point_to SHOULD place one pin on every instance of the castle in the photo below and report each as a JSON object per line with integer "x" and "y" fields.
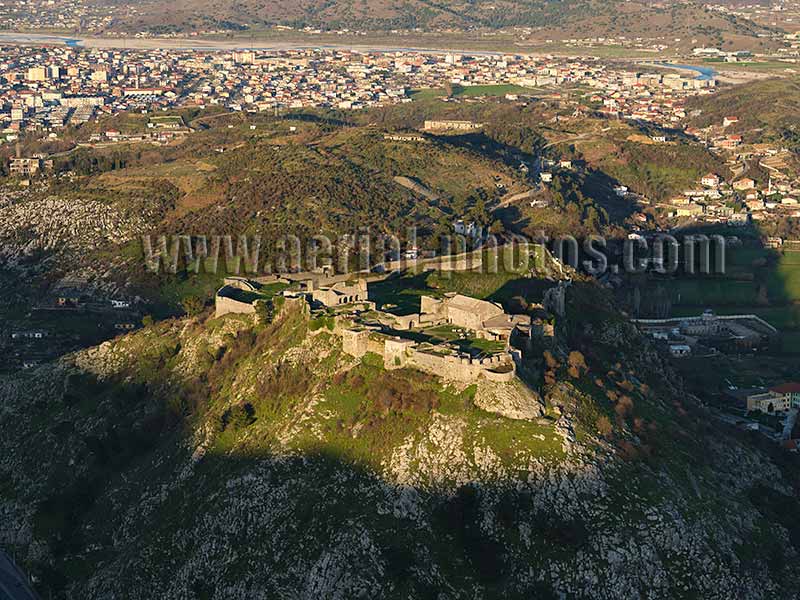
{"x": 400, "y": 339}
{"x": 398, "y": 352}
{"x": 452, "y": 335}
{"x": 336, "y": 294}
{"x": 385, "y": 334}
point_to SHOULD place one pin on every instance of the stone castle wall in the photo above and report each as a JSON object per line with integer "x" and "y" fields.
{"x": 224, "y": 305}
{"x": 398, "y": 353}
{"x": 462, "y": 368}
{"x": 240, "y": 283}
{"x": 355, "y": 342}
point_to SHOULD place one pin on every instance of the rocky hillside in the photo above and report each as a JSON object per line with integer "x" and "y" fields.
{"x": 235, "y": 458}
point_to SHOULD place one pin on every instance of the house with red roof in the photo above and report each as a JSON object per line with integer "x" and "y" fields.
{"x": 710, "y": 180}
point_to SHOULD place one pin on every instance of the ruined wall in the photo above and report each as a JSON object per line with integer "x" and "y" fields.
{"x": 240, "y": 283}
{"x": 443, "y": 365}
{"x": 503, "y": 377}
{"x": 398, "y": 353}
{"x": 298, "y": 304}
{"x": 431, "y": 306}
{"x": 355, "y": 343}
{"x": 224, "y": 305}
{"x": 464, "y": 318}
{"x": 461, "y": 368}
{"x": 376, "y": 346}
{"x": 406, "y": 321}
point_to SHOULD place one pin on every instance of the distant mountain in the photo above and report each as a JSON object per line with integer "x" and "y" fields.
{"x": 569, "y": 18}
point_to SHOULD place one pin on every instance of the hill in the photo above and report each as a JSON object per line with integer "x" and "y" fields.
{"x": 305, "y": 173}
{"x": 232, "y": 457}
{"x": 766, "y": 109}
{"x": 552, "y": 20}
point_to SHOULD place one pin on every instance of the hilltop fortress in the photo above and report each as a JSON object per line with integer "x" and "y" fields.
{"x": 452, "y": 335}
{"x": 383, "y": 333}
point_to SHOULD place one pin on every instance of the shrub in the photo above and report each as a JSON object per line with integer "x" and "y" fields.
{"x": 626, "y": 385}
{"x": 604, "y": 426}
{"x": 623, "y": 407}
{"x": 322, "y": 321}
{"x": 393, "y": 393}
{"x": 265, "y": 311}
{"x": 550, "y": 360}
{"x": 192, "y": 305}
{"x": 628, "y": 451}
{"x": 238, "y": 417}
{"x": 285, "y": 380}
{"x": 577, "y": 364}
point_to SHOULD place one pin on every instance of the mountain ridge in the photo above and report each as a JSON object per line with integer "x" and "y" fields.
{"x": 542, "y": 19}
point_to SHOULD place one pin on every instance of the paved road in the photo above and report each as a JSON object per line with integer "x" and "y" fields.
{"x": 13, "y": 582}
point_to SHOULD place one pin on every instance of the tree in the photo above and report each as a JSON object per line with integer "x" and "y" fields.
{"x": 604, "y": 426}
{"x": 147, "y": 321}
{"x": 192, "y": 305}
{"x": 577, "y": 364}
{"x": 497, "y": 227}
{"x": 550, "y": 360}
{"x": 238, "y": 417}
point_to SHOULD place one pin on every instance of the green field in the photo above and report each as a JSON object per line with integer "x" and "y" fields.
{"x": 747, "y": 270}
{"x": 712, "y": 292}
{"x": 399, "y": 295}
{"x": 168, "y": 119}
{"x": 502, "y": 286}
{"x": 786, "y": 278}
{"x": 765, "y": 65}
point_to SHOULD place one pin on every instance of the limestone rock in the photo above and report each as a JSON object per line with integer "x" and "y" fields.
{"x": 513, "y": 400}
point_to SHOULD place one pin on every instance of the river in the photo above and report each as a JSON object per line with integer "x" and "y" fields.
{"x": 705, "y": 73}
{"x": 204, "y": 44}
